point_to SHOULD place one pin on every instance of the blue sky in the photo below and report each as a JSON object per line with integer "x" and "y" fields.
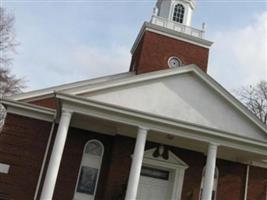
{"x": 66, "y": 41}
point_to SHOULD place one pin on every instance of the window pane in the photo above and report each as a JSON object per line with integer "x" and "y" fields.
{"x": 87, "y": 180}
{"x": 155, "y": 173}
{"x": 178, "y": 14}
{"x": 93, "y": 148}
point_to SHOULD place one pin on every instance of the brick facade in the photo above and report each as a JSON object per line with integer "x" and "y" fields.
{"x": 117, "y": 162}
{"x": 72, "y": 156}
{"x": 46, "y": 102}
{"x": 154, "y": 50}
{"x": 22, "y": 145}
{"x": 257, "y": 189}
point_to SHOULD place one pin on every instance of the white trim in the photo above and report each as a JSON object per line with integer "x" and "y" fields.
{"x": 135, "y": 79}
{"x": 49, "y": 92}
{"x": 171, "y": 72}
{"x": 162, "y": 124}
{"x": 99, "y": 169}
{"x": 169, "y": 33}
{"x": 258, "y": 164}
{"x": 29, "y": 110}
{"x": 180, "y": 63}
{"x": 176, "y": 165}
{"x": 177, "y": 71}
{"x": 4, "y": 168}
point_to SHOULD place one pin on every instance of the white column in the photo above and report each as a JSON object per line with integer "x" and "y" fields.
{"x": 246, "y": 184}
{"x": 136, "y": 164}
{"x": 55, "y": 159}
{"x": 209, "y": 172}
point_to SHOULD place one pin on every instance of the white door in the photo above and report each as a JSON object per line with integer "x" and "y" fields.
{"x": 154, "y": 184}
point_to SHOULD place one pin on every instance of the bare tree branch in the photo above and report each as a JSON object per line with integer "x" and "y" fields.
{"x": 9, "y": 84}
{"x": 255, "y": 99}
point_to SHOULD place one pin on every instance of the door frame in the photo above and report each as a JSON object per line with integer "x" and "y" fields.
{"x": 173, "y": 164}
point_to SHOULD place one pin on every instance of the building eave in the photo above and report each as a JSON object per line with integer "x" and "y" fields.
{"x": 132, "y": 79}
{"x": 49, "y": 92}
{"x": 29, "y": 110}
{"x": 166, "y": 125}
{"x": 172, "y": 72}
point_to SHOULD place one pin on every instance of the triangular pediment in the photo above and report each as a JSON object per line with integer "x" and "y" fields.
{"x": 185, "y": 97}
{"x": 172, "y": 158}
{"x": 185, "y": 94}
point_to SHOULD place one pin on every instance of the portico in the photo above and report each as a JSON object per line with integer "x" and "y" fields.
{"x": 145, "y": 127}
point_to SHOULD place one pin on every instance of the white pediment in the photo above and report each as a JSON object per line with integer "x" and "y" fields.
{"x": 185, "y": 97}
{"x": 172, "y": 158}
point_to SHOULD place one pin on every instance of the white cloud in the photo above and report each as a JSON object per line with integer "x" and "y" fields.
{"x": 99, "y": 61}
{"x": 76, "y": 63}
{"x": 239, "y": 57}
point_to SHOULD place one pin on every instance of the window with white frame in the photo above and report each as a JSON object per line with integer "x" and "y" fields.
{"x": 178, "y": 14}
{"x": 215, "y": 183}
{"x": 89, "y": 171}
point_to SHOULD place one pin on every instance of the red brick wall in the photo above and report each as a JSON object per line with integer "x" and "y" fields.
{"x": 232, "y": 177}
{"x": 47, "y": 102}
{"x": 257, "y": 184}
{"x": 120, "y": 164}
{"x": 71, "y": 160}
{"x": 115, "y": 171}
{"x": 22, "y": 146}
{"x": 154, "y": 50}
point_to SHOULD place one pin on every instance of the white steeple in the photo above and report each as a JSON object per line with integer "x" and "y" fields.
{"x": 175, "y": 10}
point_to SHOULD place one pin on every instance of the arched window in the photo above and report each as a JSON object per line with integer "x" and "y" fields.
{"x": 214, "y": 190}
{"x": 178, "y": 14}
{"x": 89, "y": 170}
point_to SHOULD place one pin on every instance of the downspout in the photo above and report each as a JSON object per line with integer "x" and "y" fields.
{"x": 45, "y": 158}
{"x": 246, "y": 184}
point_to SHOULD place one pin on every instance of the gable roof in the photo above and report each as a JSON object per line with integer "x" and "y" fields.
{"x": 161, "y": 124}
{"x": 109, "y": 82}
{"x": 46, "y": 92}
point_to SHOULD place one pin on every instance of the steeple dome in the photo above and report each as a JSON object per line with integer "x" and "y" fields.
{"x": 176, "y": 10}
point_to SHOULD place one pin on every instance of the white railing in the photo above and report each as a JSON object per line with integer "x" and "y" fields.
{"x": 177, "y": 26}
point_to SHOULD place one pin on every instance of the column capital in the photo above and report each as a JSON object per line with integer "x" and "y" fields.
{"x": 214, "y": 144}
{"x": 66, "y": 111}
{"x": 142, "y": 129}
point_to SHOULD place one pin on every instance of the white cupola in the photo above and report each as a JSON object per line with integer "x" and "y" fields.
{"x": 179, "y": 11}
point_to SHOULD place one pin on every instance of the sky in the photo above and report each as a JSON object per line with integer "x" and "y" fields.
{"x": 67, "y": 41}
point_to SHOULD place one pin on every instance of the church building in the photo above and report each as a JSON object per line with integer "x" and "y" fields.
{"x": 165, "y": 130}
